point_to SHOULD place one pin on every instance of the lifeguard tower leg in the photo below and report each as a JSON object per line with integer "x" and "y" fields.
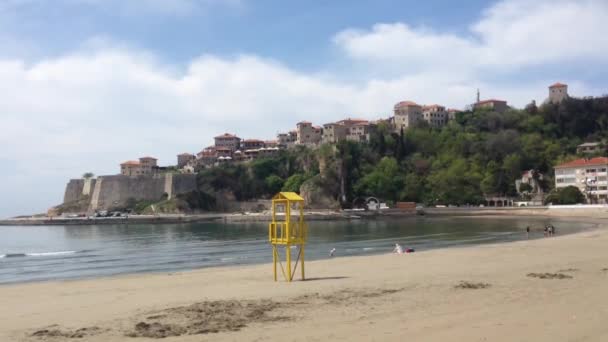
{"x": 302, "y": 260}
{"x": 274, "y": 261}
{"x": 288, "y": 255}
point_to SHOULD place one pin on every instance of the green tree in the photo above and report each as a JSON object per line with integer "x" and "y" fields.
{"x": 274, "y": 184}
{"x": 88, "y": 175}
{"x": 567, "y": 195}
{"x": 525, "y": 187}
{"x": 294, "y": 182}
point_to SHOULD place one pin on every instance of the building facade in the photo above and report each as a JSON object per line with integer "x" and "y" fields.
{"x": 498, "y": 106}
{"x": 287, "y": 140}
{"x": 591, "y": 148}
{"x": 407, "y": 114}
{"x": 558, "y": 92}
{"x": 184, "y": 158}
{"x": 588, "y": 175}
{"x": 249, "y": 144}
{"x": 307, "y": 134}
{"x": 435, "y": 115}
{"x": 227, "y": 140}
{"x": 145, "y": 166}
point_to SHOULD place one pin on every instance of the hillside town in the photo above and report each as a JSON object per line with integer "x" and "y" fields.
{"x": 589, "y": 175}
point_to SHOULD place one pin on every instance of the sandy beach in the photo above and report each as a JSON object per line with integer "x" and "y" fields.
{"x": 551, "y": 289}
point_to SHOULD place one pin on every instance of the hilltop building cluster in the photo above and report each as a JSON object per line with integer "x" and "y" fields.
{"x": 230, "y": 148}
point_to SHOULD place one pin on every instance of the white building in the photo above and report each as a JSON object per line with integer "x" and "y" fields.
{"x": 589, "y": 175}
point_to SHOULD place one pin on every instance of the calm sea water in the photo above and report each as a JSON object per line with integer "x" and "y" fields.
{"x": 67, "y": 252}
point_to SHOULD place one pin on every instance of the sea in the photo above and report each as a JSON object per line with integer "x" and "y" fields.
{"x": 47, "y": 253}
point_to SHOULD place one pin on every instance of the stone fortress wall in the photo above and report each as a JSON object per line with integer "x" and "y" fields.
{"x": 106, "y": 192}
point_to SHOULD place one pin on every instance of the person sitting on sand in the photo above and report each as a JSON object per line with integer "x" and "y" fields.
{"x": 398, "y": 249}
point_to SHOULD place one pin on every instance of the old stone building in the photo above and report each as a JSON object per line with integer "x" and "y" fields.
{"x": 184, "y": 158}
{"x": 145, "y": 166}
{"x": 407, "y": 114}
{"x": 435, "y": 115}
{"x": 227, "y": 140}
{"x": 307, "y": 134}
{"x": 558, "y": 92}
{"x": 498, "y": 106}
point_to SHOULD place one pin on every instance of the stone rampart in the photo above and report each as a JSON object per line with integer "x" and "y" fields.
{"x": 112, "y": 191}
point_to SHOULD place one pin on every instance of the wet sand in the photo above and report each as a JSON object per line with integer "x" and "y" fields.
{"x": 551, "y": 289}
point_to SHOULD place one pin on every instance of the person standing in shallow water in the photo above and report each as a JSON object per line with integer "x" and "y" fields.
{"x": 527, "y": 231}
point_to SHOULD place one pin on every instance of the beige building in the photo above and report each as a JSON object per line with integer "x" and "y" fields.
{"x": 227, "y": 140}
{"x": 307, "y": 134}
{"x": 589, "y": 175}
{"x": 498, "y": 106}
{"x": 407, "y": 114}
{"x": 288, "y": 139}
{"x": 558, "y": 92}
{"x": 145, "y": 166}
{"x": 184, "y": 158}
{"x": 591, "y": 148}
{"x": 333, "y": 132}
{"x": 435, "y": 115}
{"x": 249, "y": 144}
{"x": 347, "y": 129}
{"x": 452, "y": 113}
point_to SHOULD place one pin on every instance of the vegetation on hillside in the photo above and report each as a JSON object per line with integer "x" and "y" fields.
{"x": 480, "y": 153}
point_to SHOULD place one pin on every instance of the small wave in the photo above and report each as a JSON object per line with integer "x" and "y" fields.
{"x": 368, "y": 248}
{"x": 13, "y": 255}
{"x": 22, "y": 255}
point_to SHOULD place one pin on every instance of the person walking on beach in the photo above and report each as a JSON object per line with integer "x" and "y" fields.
{"x": 527, "y": 231}
{"x": 398, "y": 249}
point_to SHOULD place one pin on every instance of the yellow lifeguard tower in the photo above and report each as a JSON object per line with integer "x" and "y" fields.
{"x": 287, "y": 231}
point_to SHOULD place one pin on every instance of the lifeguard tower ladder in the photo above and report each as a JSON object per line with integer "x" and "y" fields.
{"x": 287, "y": 231}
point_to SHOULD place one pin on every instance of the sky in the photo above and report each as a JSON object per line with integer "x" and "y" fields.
{"x": 88, "y": 84}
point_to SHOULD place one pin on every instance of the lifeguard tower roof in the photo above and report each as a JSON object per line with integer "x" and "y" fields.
{"x": 290, "y": 196}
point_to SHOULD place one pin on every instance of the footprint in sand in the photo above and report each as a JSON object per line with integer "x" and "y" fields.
{"x": 471, "y": 285}
{"x": 549, "y": 275}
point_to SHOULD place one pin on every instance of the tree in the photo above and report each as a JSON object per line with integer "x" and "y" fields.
{"x": 567, "y": 195}
{"x": 274, "y": 184}
{"x": 88, "y": 175}
{"x": 294, "y": 182}
{"x": 525, "y": 187}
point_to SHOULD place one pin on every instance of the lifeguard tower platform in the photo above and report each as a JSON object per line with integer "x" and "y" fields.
{"x": 287, "y": 230}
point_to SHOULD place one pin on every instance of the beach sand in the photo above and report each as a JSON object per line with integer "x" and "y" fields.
{"x": 551, "y": 289}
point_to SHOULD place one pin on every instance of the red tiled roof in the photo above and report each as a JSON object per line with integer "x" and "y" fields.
{"x": 131, "y": 163}
{"x": 490, "y": 101}
{"x": 304, "y": 122}
{"x": 406, "y": 104}
{"x": 226, "y": 135}
{"x": 584, "y": 162}
{"x": 558, "y": 85}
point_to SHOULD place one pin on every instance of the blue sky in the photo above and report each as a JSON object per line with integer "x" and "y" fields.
{"x": 88, "y": 84}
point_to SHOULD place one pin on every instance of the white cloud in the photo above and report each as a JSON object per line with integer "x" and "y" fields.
{"x": 510, "y": 34}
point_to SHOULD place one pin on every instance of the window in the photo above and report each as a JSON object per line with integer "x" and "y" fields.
{"x": 603, "y": 187}
{"x": 603, "y": 170}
